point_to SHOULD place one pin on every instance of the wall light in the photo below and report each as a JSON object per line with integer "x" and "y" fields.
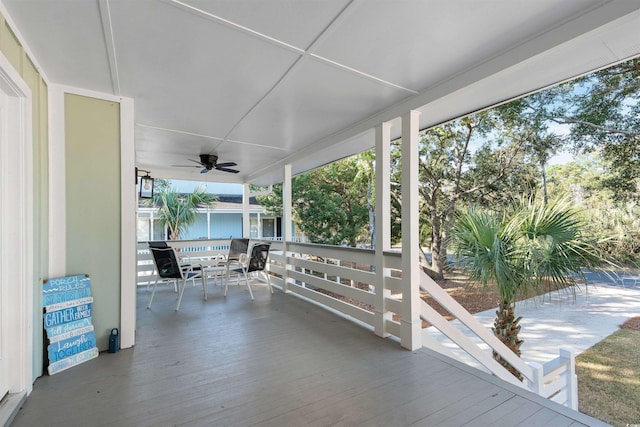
{"x": 146, "y": 186}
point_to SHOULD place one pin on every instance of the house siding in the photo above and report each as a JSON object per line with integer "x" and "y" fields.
{"x": 14, "y": 52}
{"x": 198, "y": 229}
{"x": 222, "y": 226}
{"x": 93, "y": 204}
{"x": 225, "y": 225}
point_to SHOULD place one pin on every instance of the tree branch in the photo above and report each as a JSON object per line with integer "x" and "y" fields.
{"x": 567, "y": 121}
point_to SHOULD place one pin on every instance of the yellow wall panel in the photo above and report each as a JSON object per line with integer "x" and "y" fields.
{"x": 10, "y": 46}
{"x": 92, "y": 175}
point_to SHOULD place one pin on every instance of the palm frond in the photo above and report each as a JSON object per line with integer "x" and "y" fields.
{"x": 540, "y": 245}
{"x": 178, "y": 211}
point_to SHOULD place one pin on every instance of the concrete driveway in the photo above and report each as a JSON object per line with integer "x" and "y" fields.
{"x": 580, "y": 321}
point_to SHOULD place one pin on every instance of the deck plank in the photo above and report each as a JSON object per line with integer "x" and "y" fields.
{"x": 272, "y": 362}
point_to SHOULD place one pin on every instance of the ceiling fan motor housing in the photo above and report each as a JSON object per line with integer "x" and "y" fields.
{"x": 209, "y": 160}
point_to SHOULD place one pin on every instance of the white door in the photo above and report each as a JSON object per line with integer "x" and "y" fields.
{"x": 16, "y": 237}
{"x": 4, "y": 380}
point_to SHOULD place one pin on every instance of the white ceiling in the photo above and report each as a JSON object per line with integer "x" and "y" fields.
{"x": 269, "y": 82}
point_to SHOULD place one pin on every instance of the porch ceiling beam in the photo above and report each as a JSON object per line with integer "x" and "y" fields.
{"x": 304, "y": 54}
{"x": 107, "y": 31}
{"x": 589, "y": 21}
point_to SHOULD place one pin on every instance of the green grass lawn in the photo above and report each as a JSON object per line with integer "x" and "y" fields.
{"x": 609, "y": 379}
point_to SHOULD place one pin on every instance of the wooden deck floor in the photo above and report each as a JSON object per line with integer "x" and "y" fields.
{"x": 277, "y": 361}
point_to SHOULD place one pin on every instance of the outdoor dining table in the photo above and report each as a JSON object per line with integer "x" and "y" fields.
{"x": 213, "y": 267}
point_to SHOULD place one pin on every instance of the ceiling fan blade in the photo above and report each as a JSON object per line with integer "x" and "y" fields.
{"x": 184, "y": 166}
{"x": 227, "y": 170}
{"x": 195, "y": 161}
{"x": 226, "y": 164}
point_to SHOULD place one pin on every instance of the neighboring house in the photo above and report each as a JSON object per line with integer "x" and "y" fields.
{"x": 222, "y": 221}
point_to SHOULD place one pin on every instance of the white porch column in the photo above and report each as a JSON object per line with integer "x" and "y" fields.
{"x": 382, "y": 223}
{"x": 411, "y": 325}
{"x": 259, "y": 223}
{"x": 128, "y": 226}
{"x": 246, "y": 219}
{"x": 208, "y": 224}
{"x": 286, "y": 222}
{"x": 151, "y": 226}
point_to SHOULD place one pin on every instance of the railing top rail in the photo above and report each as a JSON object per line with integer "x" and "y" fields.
{"x": 144, "y": 242}
{"x": 332, "y": 247}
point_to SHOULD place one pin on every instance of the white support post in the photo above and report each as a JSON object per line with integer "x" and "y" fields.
{"x": 411, "y": 326}
{"x": 208, "y": 224}
{"x": 151, "y": 226}
{"x": 259, "y": 227}
{"x": 128, "y": 226}
{"x": 286, "y": 223}
{"x": 246, "y": 219}
{"x": 566, "y": 352}
{"x": 382, "y": 224}
{"x": 537, "y": 384}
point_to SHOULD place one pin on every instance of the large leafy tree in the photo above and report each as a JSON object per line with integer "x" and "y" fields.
{"x": 329, "y": 204}
{"x": 475, "y": 159}
{"x": 332, "y": 204}
{"x": 178, "y": 211}
{"x": 599, "y": 112}
{"x": 604, "y": 113}
{"x": 539, "y": 246}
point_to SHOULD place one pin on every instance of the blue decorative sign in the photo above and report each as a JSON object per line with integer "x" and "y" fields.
{"x": 67, "y": 315}
{"x": 55, "y": 331}
{"x": 69, "y": 362}
{"x": 67, "y": 304}
{"x": 71, "y": 346}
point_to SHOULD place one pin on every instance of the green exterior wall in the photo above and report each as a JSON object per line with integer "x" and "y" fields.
{"x": 92, "y": 155}
{"x": 17, "y": 56}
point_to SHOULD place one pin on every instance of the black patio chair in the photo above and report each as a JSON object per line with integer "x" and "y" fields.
{"x": 255, "y": 263}
{"x": 237, "y": 247}
{"x": 170, "y": 270}
{"x": 161, "y": 244}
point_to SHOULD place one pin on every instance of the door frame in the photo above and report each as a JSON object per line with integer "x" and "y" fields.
{"x": 16, "y": 183}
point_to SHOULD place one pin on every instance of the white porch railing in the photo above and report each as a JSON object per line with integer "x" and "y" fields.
{"x": 191, "y": 248}
{"x": 342, "y": 279}
{"x": 555, "y": 380}
{"x": 558, "y": 380}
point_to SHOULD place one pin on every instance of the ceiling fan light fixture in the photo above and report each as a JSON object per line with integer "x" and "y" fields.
{"x": 210, "y": 162}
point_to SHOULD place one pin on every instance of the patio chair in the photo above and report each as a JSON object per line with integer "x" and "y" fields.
{"x": 170, "y": 270}
{"x": 237, "y": 247}
{"x": 161, "y": 244}
{"x": 255, "y": 263}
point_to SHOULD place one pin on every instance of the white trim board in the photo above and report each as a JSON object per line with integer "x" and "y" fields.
{"x": 16, "y": 250}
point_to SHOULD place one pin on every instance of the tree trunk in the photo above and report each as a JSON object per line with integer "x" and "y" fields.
{"x": 436, "y": 241}
{"x": 506, "y": 328}
{"x": 372, "y": 216}
{"x": 445, "y": 230}
{"x": 543, "y": 172}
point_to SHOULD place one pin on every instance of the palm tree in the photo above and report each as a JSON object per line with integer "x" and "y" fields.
{"x": 178, "y": 211}
{"x": 540, "y": 245}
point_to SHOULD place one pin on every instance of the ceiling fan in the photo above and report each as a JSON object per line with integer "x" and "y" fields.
{"x": 210, "y": 162}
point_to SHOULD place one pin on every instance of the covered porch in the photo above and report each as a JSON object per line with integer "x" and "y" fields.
{"x": 275, "y": 88}
{"x": 276, "y": 361}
